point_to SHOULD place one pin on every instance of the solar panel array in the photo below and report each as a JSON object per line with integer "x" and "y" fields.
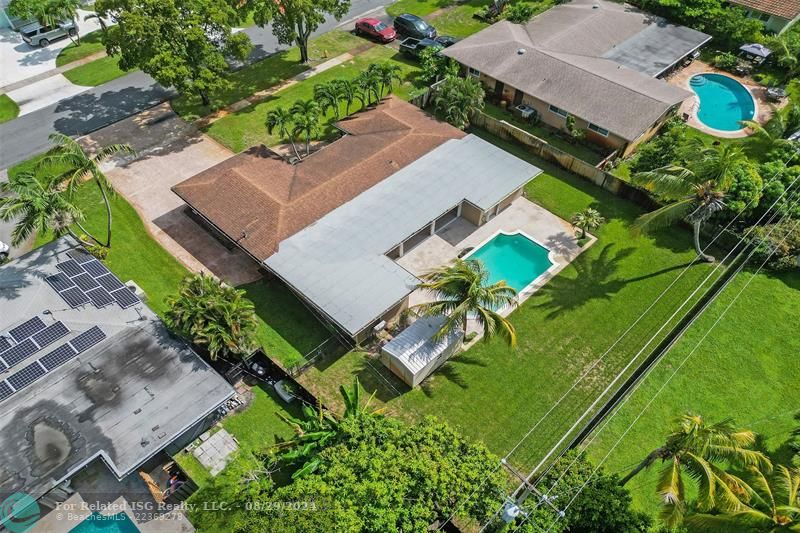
{"x": 83, "y": 279}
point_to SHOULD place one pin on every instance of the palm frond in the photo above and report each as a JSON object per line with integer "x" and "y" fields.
{"x": 664, "y": 216}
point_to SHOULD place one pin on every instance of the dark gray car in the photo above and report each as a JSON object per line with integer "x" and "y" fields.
{"x": 408, "y": 25}
{"x": 37, "y": 35}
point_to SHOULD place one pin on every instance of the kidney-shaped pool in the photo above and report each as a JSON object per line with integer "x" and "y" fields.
{"x": 724, "y": 102}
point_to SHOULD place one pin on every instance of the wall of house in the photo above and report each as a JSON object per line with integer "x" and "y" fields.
{"x": 505, "y": 202}
{"x": 771, "y": 22}
{"x": 649, "y": 134}
{"x": 471, "y": 214}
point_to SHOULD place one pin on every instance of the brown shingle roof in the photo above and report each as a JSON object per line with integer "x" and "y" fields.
{"x": 787, "y": 9}
{"x": 258, "y": 199}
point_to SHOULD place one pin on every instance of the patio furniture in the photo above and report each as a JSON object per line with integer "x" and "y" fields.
{"x": 755, "y": 52}
{"x": 776, "y": 94}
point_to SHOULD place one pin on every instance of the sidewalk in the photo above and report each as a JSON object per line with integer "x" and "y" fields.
{"x": 7, "y": 89}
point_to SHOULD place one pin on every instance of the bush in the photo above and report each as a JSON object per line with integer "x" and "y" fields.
{"x": 519, "y": 13}
{"x": 661, "y": 150}
{"x": 725, "y": 61}
{"x": 777, "y": 244}
{"x": 745, "y": 193}
{"x": 435, "y": 66}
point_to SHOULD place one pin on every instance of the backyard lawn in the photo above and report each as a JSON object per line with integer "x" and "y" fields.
{"x": 496, "y": 394}
{"x": 268, "y": 73}
{"x": 745, "y": 373}
{"x": 8, "y": 108}
{"x": 245, "y": 128}
{"x": 91, "y": 43}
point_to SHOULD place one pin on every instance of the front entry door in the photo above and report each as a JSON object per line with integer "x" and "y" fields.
{"x": 518, "y": 97}
{"x": 498, "y": 89}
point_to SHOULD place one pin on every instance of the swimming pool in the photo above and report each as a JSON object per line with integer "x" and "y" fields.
{"x": 116, "y": 523}
{"x": 724, "y": 102}
{"x": 514, "y": 258}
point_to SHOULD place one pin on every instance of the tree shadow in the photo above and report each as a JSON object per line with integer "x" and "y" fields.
{"x": 451, "y": 373}
{"x": 378, "y": 380}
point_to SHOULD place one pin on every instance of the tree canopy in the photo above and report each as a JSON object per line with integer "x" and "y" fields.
{"x": 44, "y": 11}
{"x": 183, "y": 44}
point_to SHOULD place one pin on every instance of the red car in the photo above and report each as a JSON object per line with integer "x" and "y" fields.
{"x": 376, "y": 29}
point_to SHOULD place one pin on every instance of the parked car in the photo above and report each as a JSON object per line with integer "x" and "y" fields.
{"x": 375, "y": 29}
{"x": 414, "y": 47}
{"x": 37, "y": 35}
{"x": 407, "y": 25}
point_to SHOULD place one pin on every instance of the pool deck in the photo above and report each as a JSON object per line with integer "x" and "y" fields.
{"x": 764, "y": 107}
{"x": 522, "y": 215}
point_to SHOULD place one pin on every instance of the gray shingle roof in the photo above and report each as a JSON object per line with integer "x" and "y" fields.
{"x": 339, "y": 262}
{"x": 558, "y": 57}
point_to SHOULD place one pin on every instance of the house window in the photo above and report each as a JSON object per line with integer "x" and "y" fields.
{"x": 764, "y": 17}
{"x": 558, "y": 111}
{"x": 597, "y": 129}
{"x": 473, "y": 72}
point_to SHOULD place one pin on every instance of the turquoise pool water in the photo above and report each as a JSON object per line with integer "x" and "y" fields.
{"x": 97, "y": 523}
{"x": 513, "y": 258}
{"x": 724, "y": 102}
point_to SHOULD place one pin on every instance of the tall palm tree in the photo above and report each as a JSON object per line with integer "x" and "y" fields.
{"x": 347, "y": 92}
{"x": 306, "y": 120}
{"x": 786, "y": 54}
{"x": 327, "y": 96}
{"x": 775, "y": 133}
{"x": 461, "y": 290}
{"x": 369, "y": 83}
{"x": 694, "y": 449}
{"x": 773, "y": 504}
{"x": 280, "y": 119}
{"x": 74, "y": 166}
{"x": 214, "y": 315}
{"x": 37, "y": 207}
{"x": 696, "y": 189}
{"x": 588, "y": 219}
{"x": 388, "y": 73}
{"x": 457, "y": 99}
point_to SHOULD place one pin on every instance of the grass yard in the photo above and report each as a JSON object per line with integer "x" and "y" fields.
{"x": 259, "y": 426}
{"x": 581, "y": 151}
{"x": 96, "y": 73}
{"x": 746, "y": 370}
{"x": 417, "y": 7}
{"x": 91, "y": 43}
{"x": 267, "y": 73}
{"x": 459, "y": 20}
{"x": 495, "y": 394}
{"x": 241, "y": 130}
{"x": 8, "y": 108}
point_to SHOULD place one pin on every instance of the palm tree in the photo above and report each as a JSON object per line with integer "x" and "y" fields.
{"x": 773, "y": 504}
{"x": 461, "y": 290}
{"x": 697, "y": 188}
{"x": 327, "y": 96}
{"x": 306, "y": 120}
{"x": 280, "y": 119}
{"x": 369, "y": 83}
{"x": 347, "y": 92}
{"x": 457, "y": 99}
{"x": 775, "y": 133}
{"x": 588, "y": 219}
{"x": 388, "y": 73}
{"x": 693, "y": 449}
{"x": 75, "y": 166}
{"x": 214, "y": 315}
{"x": 785, "y": 53}
{"x": 37, "y": 207}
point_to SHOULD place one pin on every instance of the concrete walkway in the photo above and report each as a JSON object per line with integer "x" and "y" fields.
{"x": 43, "y": 93}
{"x": 50, "y": 73}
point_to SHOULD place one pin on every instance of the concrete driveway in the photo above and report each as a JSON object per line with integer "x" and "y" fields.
{"x": 169, "y": 151}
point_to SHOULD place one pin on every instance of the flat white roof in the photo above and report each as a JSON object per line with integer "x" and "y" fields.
{"x": 339, "y": 262}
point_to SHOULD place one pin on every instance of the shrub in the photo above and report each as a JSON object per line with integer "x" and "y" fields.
{"x": 777, "y": 244}
{"x": 519, "y": 13}
{"x": 725, "y": 61}
{"x": 661, "y": 150}
{"x": 435, "y": 66}
{"x": 745, "y": 192}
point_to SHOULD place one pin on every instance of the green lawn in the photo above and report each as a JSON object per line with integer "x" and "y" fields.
{"x": 417, "y": 7}
{"x": 95, "y": 73}
{"x": 8, "y": 108}
{"x": 267, "y": 73}
{"x": 495, "y": 394}
{"x": 580, "y": 151}
{"x": 90, "y": 44}
{"x": 245, "y": 128}
{"x": 746, "y": 369}
{"x": 459, "y": 20}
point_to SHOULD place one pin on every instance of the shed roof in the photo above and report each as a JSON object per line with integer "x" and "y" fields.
{"x": 415, "y": 346}
{"x": 786, "y": 9}
{"x": 124, "y": 399}
{"x": 339, "y": 262}
{"x": 258, "y": 199}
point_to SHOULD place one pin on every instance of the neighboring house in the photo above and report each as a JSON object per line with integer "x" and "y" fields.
{"x": 596, "y": 60}
{"x": 777, "y": 15}
{"x": 332, "y": 225}
{"x": 88, "y": 372}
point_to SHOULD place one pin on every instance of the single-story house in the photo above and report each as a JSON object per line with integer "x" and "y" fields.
{"x": 88, "y": 372}
{"x": 332, "y": 225}
{"x": 777, "y": 15}
{"x": 595, "y": 60}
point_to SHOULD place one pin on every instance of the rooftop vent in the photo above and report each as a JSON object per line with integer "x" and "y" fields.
{"x": 596, "y": 6}
{"x": 521, "y": 51}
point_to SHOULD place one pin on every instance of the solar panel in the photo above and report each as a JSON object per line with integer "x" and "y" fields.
{"x": 20, "y": 352}
{"x": 87, "y": 339}
{"x": 85, "y": 282}
{"x": 100, "y": 297}
{"x": 95, "y": 268}
{"x": 27, "y": 328}
{"x": 5, "y": 391}
{"x": 58, "y": 357}
{"x": 5, "y": 344}
{"x": 59, "y": 281}
{"x": 80, "y": 256}
{"x": 70, "y": 268}
{"x": 124, "y": 297}
{"x": 26, "y": 376}
{"x": 110, "y": 282}
{"x": 50, "y": 334}
{"x": 74, "y": 297}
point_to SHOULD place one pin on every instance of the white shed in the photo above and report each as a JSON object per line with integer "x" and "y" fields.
{"x": 413, "y": 355}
